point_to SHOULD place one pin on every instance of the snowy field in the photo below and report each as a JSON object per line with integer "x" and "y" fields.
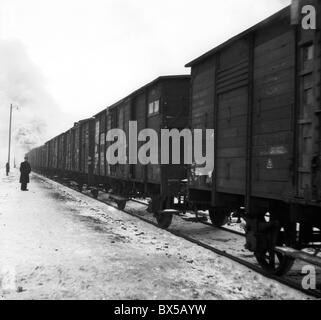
{"x": 58, "y": 244}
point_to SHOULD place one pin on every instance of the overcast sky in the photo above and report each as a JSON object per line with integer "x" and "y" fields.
{"x": 87, "y": 54}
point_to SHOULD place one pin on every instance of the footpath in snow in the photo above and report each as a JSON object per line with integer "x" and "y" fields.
{"x": 58, "y": 244}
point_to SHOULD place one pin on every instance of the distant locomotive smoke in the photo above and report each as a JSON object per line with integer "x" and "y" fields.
{"x": 23, "y": 85}
{"x": 30, "y": 135}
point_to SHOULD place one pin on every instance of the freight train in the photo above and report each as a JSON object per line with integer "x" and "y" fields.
{"x": 79, "y": 155}
{"x": 261, "y": 93}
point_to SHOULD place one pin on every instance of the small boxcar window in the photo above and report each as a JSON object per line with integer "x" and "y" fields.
{"x": 308, "y": 52}
{"x": 156, "y": 106}
{"x": 153, "y": 108}
{"x": 308, "y": 97}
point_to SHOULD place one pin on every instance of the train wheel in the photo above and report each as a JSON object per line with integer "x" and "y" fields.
{"x": 164, "y": 220}
{"x": 121, "y": 204}
{"x": 274, "y": 262}
{"x": 219, "y": 216}
{"x": 95, "y": 193}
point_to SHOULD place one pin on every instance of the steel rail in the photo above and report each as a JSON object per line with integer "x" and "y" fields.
{"x": 257, "y": 269}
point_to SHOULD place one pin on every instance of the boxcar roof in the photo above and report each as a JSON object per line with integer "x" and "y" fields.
{"x": 67, "y": 131}
{"x": 277, "y": 16}
{"x": 85, "y": 120}
{"x": 155, "y": 81}
{"x": 99, "y": 113}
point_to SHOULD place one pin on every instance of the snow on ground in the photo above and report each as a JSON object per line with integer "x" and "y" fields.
{"x": 58, "y": 244}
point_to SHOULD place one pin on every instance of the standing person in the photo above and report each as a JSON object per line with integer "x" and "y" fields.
{"x": 25, "y": 170}
{"x": 7, "y": 168}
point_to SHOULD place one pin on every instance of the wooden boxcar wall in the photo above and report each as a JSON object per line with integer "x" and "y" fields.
{"x": 231, "y": 113}
{"x": 123, "y": 118}
{"x": 308, "y": 164}
{"x": 261, "y": 93}
{"x": 175, "y": 113}
{"x": 154, "y": 121}
{"x": 202, "y": 110}
{"x": 110, "y": 116}
{"x": 76, "y": 150}
{"x": 44, "y": 163}
{"x": 118, "y": 117}
{"x": 139, "y": 114}
{"x": 316, "y": 173}
{"x": 100, "y": 137}
{"x": 273, "y": 111}
{"x": 162, "y": 103}
{"x": 50, "y": 154}
{"x": 61, "y": 152}
{"x": 97, "y": 147}
{"x": 47, "y": 164}
{"x": 84, "y": 147}
{"x": 87, "y": 147}
{"x": 102, "y": 144}
{"x": 53, "y": 153}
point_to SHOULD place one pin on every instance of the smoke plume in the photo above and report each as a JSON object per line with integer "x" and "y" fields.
{"x": 36, "y": 116}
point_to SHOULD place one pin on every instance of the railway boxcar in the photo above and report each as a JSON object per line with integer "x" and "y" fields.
{"x": 260, "y": 92}
{"x": 53, "y": 156}
{"x": 72, "y": 154}
{"x": 100, "y": 146}
{"x": 87, "y": 138}
{"x": 79, "y": 153}
{"x": 34, "y": 158}
{"x": 75, "y": 133}
{"x": 38, "y": 158}
{"x": 61, "y": 165}
{"x": 163, "y": 103}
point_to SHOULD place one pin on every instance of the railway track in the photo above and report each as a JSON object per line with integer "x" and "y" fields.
{"x": 284, "y": 280}
{"x": 200, "y": 221}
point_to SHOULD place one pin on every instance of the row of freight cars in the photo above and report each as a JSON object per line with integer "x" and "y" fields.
{"x": 80, "y": 153}
{"x": 260, "y": 91}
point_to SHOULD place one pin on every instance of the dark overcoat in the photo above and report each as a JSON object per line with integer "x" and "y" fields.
{"x": 25, "y": 170}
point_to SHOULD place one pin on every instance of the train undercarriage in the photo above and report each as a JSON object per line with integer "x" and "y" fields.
{"x": 276, "y": 232}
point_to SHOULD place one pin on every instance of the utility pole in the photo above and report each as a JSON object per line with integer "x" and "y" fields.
{"x": 10, "y": 136}
{"x": 10, "y": 125}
